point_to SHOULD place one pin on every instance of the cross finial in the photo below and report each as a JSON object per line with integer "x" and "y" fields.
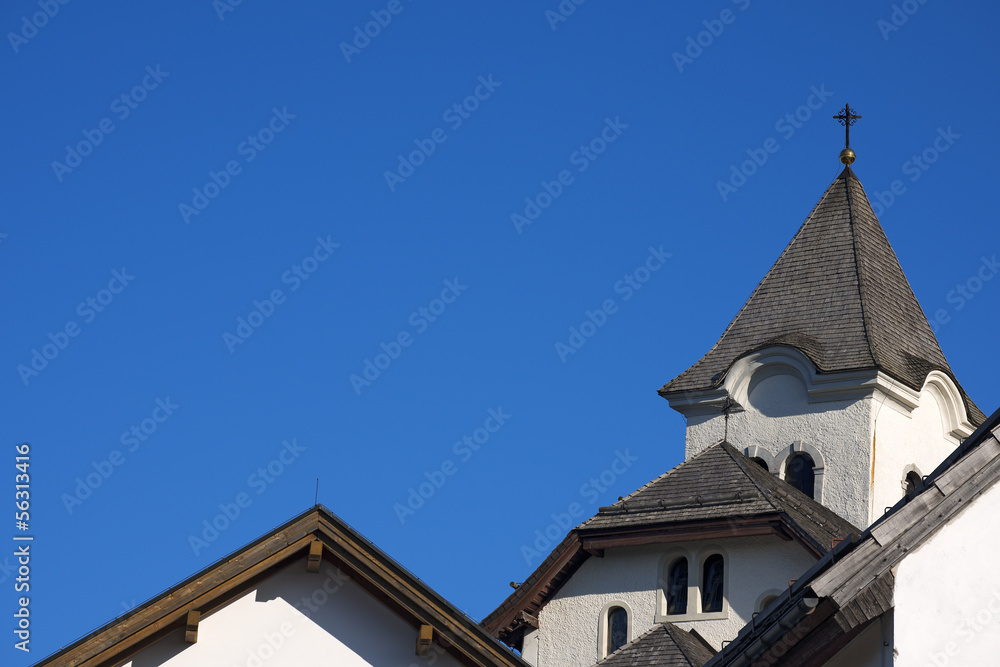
{"x": 847, "y": 117}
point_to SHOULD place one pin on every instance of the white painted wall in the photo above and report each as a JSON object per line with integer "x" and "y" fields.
{"x": 274, "y": 626}
{"x": 947, "y": 594}
{"x": 569, "y": 624}
{"x": 785, "y": 401}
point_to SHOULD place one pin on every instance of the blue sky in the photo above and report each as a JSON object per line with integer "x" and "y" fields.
{"x": 216, "y": 215}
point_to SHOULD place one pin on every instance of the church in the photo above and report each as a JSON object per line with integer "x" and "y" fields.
{"x": 829, "y": 511}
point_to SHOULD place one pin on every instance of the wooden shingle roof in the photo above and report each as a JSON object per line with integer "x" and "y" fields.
{"x": 663, "y": 645}
{"x": 717, "y": 494}
{"x": 721, "y": 483}
{"x": 838, "y": 295}
{"x": 853, "y": 584}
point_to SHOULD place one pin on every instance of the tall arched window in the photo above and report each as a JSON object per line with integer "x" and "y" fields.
{"x": 677, "y": 587}
{"x": 761, "y": 462}
{"x": 799, "y": 473}
{"x": 617, "y": 630}
{"x": 711, "y": 584}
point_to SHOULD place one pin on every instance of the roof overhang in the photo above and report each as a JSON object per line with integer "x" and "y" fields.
{"x": 316, "y": 533}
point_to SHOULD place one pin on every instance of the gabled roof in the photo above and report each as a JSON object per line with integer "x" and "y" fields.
{"x": 717, "y": 494}
{"x": 663, "y": 645}
{"x": 838, "y": 295}
{"x": 240, "y": 572}
{"x": 853, "y": 584}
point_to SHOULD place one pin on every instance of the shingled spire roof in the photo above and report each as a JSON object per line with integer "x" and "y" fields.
{"x": 838, "y": 295}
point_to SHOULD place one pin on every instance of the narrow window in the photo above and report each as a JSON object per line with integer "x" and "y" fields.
{"x": 711, "y": 584}
{"x": 912, "y": 482}
{"x": 761, "y": 462}
{"x": 617, "y": 629}
{"x": 799, "y": 473}
{"x": 677, "y": 587}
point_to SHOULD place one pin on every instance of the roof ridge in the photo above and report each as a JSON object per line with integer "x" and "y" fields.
{"x": 625, "y": 499}
{"x": 869, "y": 338}
{"x": 756, "y": 289}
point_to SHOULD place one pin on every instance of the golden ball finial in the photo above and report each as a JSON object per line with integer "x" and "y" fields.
{"x": 847, "y": 156}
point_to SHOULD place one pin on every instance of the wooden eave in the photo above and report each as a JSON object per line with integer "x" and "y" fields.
{"x": 227, "y": 580}
{"x": 544, "y": 584}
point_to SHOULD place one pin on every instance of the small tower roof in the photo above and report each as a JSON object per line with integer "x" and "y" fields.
{"x": 838, "y": 295}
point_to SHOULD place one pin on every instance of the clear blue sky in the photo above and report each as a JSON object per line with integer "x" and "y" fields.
{"x": 249, "y": 154}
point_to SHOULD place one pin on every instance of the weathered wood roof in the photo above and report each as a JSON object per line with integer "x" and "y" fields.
{"x": 838, "y": 295}
{"x": 240, "y": 572}
{"x": 853, "y": 584}
{"x": 717, "y": 494}
{"x": 663, "y": 645}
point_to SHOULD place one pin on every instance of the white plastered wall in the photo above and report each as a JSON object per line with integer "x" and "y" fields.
{"x": 271, "y": 627}
{"x": 569, "y": 624}
{"x": 785, "y": 404}
{"x": 918, "y": 439}
{"x": 947, "y": 592}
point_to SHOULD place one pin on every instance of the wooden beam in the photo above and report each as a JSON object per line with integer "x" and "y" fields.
{"x": 315, "y": 556}
{"x": 424, "y": 638}
{"x": 191, "y": 626}
{"x": 528, "y": 619}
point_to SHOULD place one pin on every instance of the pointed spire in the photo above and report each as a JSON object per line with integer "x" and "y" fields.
{"x": 838, "y": 295}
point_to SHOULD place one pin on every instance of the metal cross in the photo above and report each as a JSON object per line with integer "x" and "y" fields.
{"x": 847, "y": 118}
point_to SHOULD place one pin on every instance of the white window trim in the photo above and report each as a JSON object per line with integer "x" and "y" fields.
{"x": 819, "y": 465}
{"x": 696, "y": 563}
{"x": 602, "y": 627}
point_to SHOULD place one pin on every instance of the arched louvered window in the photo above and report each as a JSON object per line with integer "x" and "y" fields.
{"x": 799, "y": 473}
{"x": 617, "y": 631}
{"x": 761, "y": 462}
{"x": 677, "y": 587}
{"x": 712, "y": 584}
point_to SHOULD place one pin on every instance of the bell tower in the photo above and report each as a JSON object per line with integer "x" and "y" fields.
{"x": 830, "y": 375}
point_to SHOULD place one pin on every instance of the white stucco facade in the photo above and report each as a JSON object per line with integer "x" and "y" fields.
{"x": 271, "y": 627}
{"x": 570, "y": 624}
{"x": 783, "y": 406}
{"x": 947, "y": 592}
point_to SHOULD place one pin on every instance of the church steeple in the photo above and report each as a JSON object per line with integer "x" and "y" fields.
{"x": 838, "y": 295}
{"x": 831, "y": 335}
